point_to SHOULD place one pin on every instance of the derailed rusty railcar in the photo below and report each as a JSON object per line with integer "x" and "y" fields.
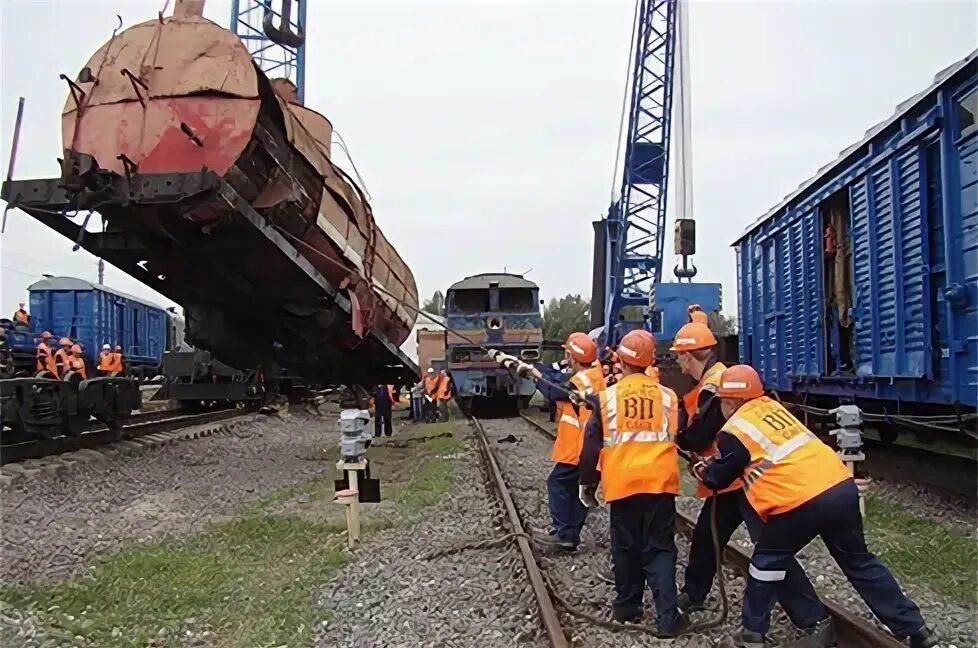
{"x": 220, "y": 193}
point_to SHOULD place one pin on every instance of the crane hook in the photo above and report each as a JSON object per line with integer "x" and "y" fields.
{"x": 283, "y": 35}
{"x": 686, "y": 270}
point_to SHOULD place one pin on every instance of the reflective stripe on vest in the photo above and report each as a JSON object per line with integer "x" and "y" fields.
{"x": 709, "y": 381}
{"x": 639, "y": 421}
{"x": 789, "y": 465}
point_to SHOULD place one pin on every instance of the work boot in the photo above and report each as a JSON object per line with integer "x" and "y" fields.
{"x": 820, "y": 635}
{"x": 682, "y": 622}
{"x": 553, "y": 543}
{"x": 742, "y": 639}
{"x": 627, "y": 617}
{"x": 686, "y": 604}
{"x": 923, "y": 639}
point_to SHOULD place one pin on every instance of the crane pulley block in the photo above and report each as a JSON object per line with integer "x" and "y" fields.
{"x": 685, "y": 237}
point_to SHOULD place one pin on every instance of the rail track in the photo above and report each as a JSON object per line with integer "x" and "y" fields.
{"x": 853, "y": 631}
{"x": 97, "y": 434}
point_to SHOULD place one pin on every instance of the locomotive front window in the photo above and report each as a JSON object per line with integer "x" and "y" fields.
{"x": 469, "y": 301}
{"x": 517, "y": 300}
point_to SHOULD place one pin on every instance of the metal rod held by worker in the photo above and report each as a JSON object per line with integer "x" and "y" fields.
{"x": 13, "y": 157}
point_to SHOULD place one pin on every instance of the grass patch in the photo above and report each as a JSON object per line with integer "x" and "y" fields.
{"x": 252, "y": 579}
{"x": 923, "y": 551}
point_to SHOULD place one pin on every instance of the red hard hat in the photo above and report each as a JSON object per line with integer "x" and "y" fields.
{"x": 740, "y": 381}
{"x": 581, "y": 348}
{"x": 637, "y": 349}
{"x": 693, "y": 336}
{"x": 118, "y": 347}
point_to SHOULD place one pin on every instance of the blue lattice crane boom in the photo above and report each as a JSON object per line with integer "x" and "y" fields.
{"x": 275, "y": 37}
{"x": 629, "y": 242}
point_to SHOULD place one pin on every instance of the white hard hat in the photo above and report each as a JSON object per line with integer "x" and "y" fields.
{"x": 106, "y": 347}
{"x": 431, "y": 370}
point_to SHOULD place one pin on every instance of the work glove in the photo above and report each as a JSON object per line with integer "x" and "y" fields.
{"x": 588, "y": 496}
{"x": 698, "y": 469}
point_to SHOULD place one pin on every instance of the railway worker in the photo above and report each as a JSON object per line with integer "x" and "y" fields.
{"x": 443, "y": 394}
{"x": 429, "y": 409}
{"x": 383, "y": 406}
{"x": 105, "y": 360}
{"x": 21, "y": 316}
{"x": 632, "y": 439}
{"x": 76, "y": 362}
{"x": 801, "y": 489}
{"x": 118, "y": 363}
{"x": 62, "y": 357}
{"x": 585, "y": 378}
{"x": 45, "y": 355}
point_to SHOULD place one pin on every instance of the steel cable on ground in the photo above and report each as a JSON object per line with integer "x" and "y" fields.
{"x": 716, "y": 621}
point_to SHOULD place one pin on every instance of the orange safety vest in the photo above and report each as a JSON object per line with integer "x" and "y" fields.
{"x": 105, "y": 361}
{"x": 62, "y": 362}
{"x": 570, "y": 423}
{"x": 77, "y": 365}
{"x": 640, "y": 418}
{"x": 45, "y": 360}
{"x": 444, "y": 391}
{"x": 21, "y": 316}
{"x": 117, "y": 365}
{"x": 788, "y": 464}
{"x": 710, "y": 377}
{"x": 431, "y": 385}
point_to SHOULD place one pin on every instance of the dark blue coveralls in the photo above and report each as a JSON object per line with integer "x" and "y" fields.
{"x": 643, "y": 542}
{"x": 795, "y": 592}
{"x": 382, "y": 411}
{"x": 833, "y": 516}
{"x": 567, "y": 513}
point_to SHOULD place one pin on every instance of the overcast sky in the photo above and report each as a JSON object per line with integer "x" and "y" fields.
{"x": 486, "y": 131}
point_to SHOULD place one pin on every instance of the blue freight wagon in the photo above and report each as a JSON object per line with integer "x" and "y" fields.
{"x": 862, "y": 285}
{"x": 93, "y": 315}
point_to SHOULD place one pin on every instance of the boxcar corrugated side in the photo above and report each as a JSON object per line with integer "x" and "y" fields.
{"x": 94, "y": 315}
{"x": 864, "y": 282}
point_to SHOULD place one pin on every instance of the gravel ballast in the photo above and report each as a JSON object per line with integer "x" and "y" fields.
{"x": 396, "y": 596}
{"x": 53, "y": 524}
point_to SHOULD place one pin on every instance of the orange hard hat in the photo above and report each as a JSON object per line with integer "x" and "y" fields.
{"x": 637, "y": 349}
{"x": 64, "y": 342}
{"x": 46, "y": 335}
{"x": 740, "y": 381}
{"x": 693, "y": 336}
{"x": 76, "y": 349}
{"x": 581, "y": 348}
{"x": 700, "y": 317}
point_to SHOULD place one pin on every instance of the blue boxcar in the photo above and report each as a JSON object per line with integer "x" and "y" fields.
{"x": 864, "y": 282}
{"x": 93, "y": 315}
